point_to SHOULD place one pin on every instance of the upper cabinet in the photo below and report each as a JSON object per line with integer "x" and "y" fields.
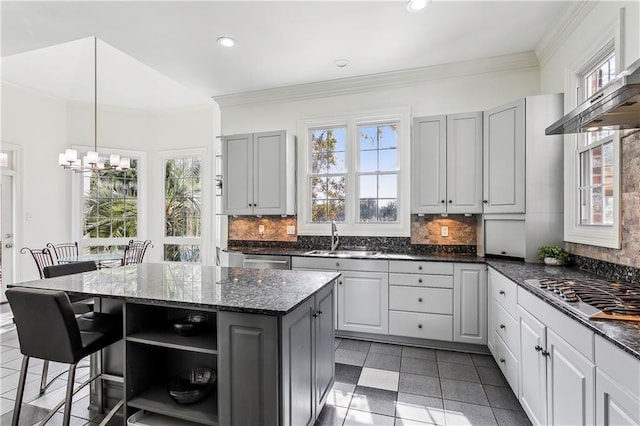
{"x": 258, "y": 174}
{"x": 447, "y": 164}
{"x": 504, "y": 173}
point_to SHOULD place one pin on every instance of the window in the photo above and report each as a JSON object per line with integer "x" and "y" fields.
{"x": 592, "y": 175}
{"x": 182, "y": 208}
{"x": 356, "y": 170}
{"x": 110, "y": 207}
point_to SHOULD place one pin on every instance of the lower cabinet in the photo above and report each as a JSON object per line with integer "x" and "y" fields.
{"x": 363, "y": 302}
{"x": 470, "y": 303}
{"x": 258, "y": 388}
{"x": 557, "y": 380}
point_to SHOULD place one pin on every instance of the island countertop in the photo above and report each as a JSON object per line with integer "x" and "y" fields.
{"x": 260, "y": 291}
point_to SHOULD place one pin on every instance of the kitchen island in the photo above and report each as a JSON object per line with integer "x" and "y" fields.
{"x": 269, "y": 334}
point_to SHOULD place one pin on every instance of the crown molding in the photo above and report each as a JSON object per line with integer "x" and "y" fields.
{"x": 568, "y": 22}
{"x": 387, "y": 80}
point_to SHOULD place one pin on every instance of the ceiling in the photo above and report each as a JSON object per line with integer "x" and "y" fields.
{"x": 280, "y": 43}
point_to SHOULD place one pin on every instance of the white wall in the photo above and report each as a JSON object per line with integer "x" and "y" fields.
{"x": 44, "y": 126}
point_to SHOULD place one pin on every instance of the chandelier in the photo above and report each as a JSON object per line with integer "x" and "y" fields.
{"x": 93, "y": 162}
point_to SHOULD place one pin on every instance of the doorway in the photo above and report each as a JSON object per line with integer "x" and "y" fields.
{"x": 7, "y": 224}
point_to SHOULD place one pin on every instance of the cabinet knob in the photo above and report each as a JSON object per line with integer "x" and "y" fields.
{"x": 502, "y": 360}
{"x": 442, "y": 201}
{"x": 340, "y": 282}
{"x": 420, "y": 268}
{"x": 319, "y": 312}
{"x": 337, "y": 264}
{"x": 419, "y": 280}
{"x": 316, "y": 315}
{"x": 419, "y": 299}
{"x": 502, "y": 326}
{"x": 545, "y": 353}
{"x": 538, "y": 348}
{"x": 450, "y": 201}
{"x": 503, "y": 252}
{"x": 419, "y": 325}
{"x": 501, "y": 292}
{"x": 485, "y": 201}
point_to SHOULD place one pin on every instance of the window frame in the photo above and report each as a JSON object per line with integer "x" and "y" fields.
{"x": 600, "y": 235}
{"x": 77, "y": 213}
{"x": 206, "y": 208}
{"x": 351, "y": 225}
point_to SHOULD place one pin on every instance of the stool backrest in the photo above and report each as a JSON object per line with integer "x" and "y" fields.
{"x": 42, "y": 257}
{"x": 69, "y": 269}
{"x": 59, "y": 251}
{"x": 46, "y": 325}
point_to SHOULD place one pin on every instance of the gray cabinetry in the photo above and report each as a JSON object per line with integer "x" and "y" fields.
{"x": 470, "y": 303}
{"x": 523, "y": 182}
{"x": 258, "y": 172}
{"x": 447, "y": 164}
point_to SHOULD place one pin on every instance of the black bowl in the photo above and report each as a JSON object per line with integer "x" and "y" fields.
{"x": 192, "y": 325}
{"x": 192, "y": 386}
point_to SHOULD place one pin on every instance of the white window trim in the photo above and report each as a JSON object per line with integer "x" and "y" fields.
{"x": 207, "y": 208}
{"x": 351, "y": 227}
{"x": 77, "y": 232}
{"x": 574, "y": 232}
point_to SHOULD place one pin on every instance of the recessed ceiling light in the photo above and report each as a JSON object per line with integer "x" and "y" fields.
{"x": 416, "y": 5}
{"x": 341, "y": 63}
{"x": 226, "y": 41}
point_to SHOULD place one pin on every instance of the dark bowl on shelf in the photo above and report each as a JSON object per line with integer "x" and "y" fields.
{"x": 192, "y": 386}
{"x": 192, "y": 325}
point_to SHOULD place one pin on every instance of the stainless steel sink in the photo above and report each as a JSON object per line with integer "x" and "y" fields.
{"x": 343, "y": 253}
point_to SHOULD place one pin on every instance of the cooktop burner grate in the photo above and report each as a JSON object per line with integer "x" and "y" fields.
{"x": 611, "y": 298}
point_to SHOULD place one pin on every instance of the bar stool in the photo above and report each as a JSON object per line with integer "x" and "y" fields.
{"x": 48, "y": 330}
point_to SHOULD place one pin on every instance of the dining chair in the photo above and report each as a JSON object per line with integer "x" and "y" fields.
{"x": 42, "y": 257}
{"x": 63, "y": 250}
{"x": 134, "y": 252}
{"x": 48, "y": 330}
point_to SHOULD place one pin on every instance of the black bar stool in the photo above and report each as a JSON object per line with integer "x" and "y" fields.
{"x": 48, "y": 330}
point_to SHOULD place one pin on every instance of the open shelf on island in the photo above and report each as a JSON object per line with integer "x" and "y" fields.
{"x": 157, "y": 399}
{"x": 165, "y": 337}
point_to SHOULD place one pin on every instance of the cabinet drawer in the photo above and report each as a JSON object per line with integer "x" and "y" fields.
{"x": 421, "y": 267}
{"x": 416, "y": 280}
{"x": 505, "y": 237}
{"x": 507, "y": 362}
{"x": 424, "y": 326}
{"x": 504, "y": 291}
{"x": 506, "y": 327}
{"x": 416, "y": 299}
{"x": 335, "y": 264}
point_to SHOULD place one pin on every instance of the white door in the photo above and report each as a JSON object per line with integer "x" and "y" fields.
{"x": 428, "y": 167}
{"x": 6, "y": 238}
{"x": 464, "y": 163}
{"x": 363, "y": 302}
{"x": 571, "y": 384}
{"x": 533, "y": 367}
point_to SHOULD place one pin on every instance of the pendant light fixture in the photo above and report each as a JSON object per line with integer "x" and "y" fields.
{"x": 92, "y": 162}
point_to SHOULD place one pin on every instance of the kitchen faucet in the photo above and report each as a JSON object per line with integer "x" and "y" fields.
{"x": 335, "y": 239}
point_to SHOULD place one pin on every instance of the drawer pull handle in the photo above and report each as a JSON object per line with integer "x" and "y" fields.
{"x": 502, "y": 360}
{"x": 502, "y": 326}
{"x": 501, "y": 292}
{"x": 419, "y": 280}
{"x": 419, "y": 299}
{"x": 419, "y": 325}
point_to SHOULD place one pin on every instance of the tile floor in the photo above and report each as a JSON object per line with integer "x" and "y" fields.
{"x": 376, "y": 384}
{"x": 382, "y": 384}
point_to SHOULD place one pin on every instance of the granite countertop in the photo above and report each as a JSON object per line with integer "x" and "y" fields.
{"x": 432, "y": 257}
{"x": 624, "y": 334}
{"x": 261, "y": 291}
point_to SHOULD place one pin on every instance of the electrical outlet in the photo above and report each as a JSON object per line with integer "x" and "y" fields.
{"x": 261, "y": 229}
{"x": 291, "y": 230}
{"x": 444, "y": 231}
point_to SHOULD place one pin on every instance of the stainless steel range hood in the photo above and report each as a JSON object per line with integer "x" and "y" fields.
{"x": 615, "y": 106}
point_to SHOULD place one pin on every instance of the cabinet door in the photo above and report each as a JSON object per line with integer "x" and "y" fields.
{"x": 363, "y": 302}
{"x": 614, "y": 404}
{"x": 269, "y": 177}
{"x": 570, "y": 384}
{"x": 490, "y": 312}
{"x": 248, "y": 369}
{"x": 298, "y": 362}
{"x": 533, "y": 367}
{"x": 237, "y": 174}
{"x": 464, "y": 163}
{"x": 428, "y": 168}
{"x": 470, "y": 304}
{"x": 504, "y": 159}
{"x": 325, "y": 346}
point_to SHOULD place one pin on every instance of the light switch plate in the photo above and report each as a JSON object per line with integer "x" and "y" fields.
{"x": 260, "y": 229}
{"x": 444, "y": 231}
{"x": 291, "y": 230}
